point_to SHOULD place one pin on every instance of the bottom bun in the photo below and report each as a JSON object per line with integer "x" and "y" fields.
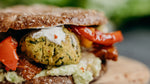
{"x": 51, "y": 80}
{"x": 125, "y": 71}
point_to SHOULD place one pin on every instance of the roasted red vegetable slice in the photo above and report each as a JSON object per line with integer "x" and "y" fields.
{"x": 8, "y": 55}
{"x": 96, "y": 36}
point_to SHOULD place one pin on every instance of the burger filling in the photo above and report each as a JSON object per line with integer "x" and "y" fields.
{"x": 76, "y": 51}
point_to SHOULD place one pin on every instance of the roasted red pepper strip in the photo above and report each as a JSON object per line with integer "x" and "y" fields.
{"x": 8, "y": 55}
{"x": 96, "y": 36}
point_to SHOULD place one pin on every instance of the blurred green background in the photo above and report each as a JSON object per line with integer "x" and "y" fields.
{"x": 130, "y": 16}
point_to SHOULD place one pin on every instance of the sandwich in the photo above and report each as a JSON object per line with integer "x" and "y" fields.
{"x": 50, "y": 45}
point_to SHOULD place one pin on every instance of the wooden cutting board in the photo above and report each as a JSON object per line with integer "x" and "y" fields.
{"x": 125, "y": 71}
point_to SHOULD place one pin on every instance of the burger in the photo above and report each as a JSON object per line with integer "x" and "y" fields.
{"x": 51, "y": 45}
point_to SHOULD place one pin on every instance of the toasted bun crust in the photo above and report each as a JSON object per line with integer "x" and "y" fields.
{"x": 125, "y": 71}
{"x": 41, "y": 16}
{"x": 51, "y": 80}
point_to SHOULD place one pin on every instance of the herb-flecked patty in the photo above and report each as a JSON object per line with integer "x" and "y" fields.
{"x": 42, "y": 50}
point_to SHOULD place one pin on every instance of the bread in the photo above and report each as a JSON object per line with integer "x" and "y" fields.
{"x": 40, "y": 16}
{"x": 125, "y": 71}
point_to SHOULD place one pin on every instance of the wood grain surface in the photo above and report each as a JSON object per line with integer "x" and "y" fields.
{"x": 125, "y": 71}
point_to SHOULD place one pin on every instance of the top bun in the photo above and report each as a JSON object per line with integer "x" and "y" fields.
{"x": 42, "y": 16}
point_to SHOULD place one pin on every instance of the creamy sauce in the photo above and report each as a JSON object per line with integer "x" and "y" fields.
{"x": 92, "y": 63}
{"x": 12, "y": 77}
{"x": 74, "y": 41}
{"x": 54, "y": 34}
{"x": 82, "y": 73}
{"x": 1, "y": 75}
